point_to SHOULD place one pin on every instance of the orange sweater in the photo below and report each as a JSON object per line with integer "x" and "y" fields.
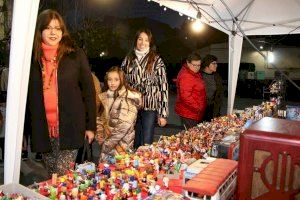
{"x": 50, "y": 65}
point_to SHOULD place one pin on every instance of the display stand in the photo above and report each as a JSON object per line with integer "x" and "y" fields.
{"x": 269, "y": 165}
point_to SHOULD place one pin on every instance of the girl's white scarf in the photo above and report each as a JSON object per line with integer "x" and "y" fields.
{"x": 141, "y": 54}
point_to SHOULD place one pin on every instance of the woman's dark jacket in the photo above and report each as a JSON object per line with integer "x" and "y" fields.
{"x": 76, "y": 104}
{"x": 218, "y": 96}
{"x": 217, "y": 100}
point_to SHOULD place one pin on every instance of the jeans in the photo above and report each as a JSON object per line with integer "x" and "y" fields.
{"x": 144, "y": 128}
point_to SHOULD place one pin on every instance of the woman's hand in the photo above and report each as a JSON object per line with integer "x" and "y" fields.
{"x": 89, "y": 135}
{"x": 162, "y": 121}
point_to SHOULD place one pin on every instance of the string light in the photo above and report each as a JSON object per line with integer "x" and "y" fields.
{"x": 165, "y": 8}
{"x": 180, "y": 14}
{"x": 102, "y": 54}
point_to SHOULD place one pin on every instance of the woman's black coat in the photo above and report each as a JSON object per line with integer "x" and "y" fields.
{"x": 76, "y": 104}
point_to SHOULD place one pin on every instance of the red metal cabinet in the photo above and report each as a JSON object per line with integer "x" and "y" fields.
{"x": 269, "y": 160}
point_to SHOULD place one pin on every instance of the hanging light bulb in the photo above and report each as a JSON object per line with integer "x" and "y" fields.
{"x": 199, "y": 15}
{"x": 197, "y": 25}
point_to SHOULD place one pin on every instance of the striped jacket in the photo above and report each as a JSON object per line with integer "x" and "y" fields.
{"x": 153, "y": 86}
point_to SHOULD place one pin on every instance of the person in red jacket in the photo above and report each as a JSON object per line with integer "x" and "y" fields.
{"x": 191, "y": 96}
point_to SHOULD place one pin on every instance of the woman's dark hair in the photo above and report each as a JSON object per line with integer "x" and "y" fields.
{"x": 66, "y": 44}
{"x": 207, "y": 60}
{"x": 193, "y": 56}
{"x": 152, "y": 51}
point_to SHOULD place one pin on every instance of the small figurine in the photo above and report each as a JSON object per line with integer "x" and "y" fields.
{"x": 74, "y": 193}
{"x": 54, "y": 179}
{"x": 136, "y": 162}
{"x": 166, "y": 181}
{"x": 151, "y": 190}
{"x": 106, "y": 170}
{"x": 134, "y": 184}
{"x": 53, "y": 192}
{"x": 127, "y": 160}
{"x": 103, "y": 196}
{"x": 156, "y": 166}
{"x": 62, "y": 197}
{"x": 138, "y": 194}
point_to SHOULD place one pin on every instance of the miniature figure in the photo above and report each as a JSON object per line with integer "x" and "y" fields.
{"x": 166, "y": 181}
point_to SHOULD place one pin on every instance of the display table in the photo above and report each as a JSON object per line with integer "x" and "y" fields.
{"x": 147, "y": 172}
{"x": 19, "y": 192}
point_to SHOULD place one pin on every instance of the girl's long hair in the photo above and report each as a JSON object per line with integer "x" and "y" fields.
{"x": 121, "y": 74}
{"x": 66, "y": 44}
{"x": 152, "y": 51}
{"x": 123, "y": 82}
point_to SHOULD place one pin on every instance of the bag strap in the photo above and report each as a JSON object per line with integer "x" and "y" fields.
{"x": 86, "y": 151}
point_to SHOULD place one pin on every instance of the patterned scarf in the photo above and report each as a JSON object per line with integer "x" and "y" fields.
{"x": 50, "y": 90}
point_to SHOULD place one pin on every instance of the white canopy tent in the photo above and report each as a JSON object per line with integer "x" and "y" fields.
{"x": 256, "y": 17}
{"x": 238, "y": 18}
{"x": 23, "y": 26}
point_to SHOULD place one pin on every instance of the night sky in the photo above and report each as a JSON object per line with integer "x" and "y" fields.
{"x": 135, "y": 8}
{"x": 152, "y": 10}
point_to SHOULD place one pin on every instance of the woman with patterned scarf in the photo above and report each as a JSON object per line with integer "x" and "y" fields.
{"x": 146, "y": 72}
{"x": 61, "y": 105}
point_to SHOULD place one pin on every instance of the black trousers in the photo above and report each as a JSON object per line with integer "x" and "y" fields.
{"x": 188, "y": 123}
{"x": 80, "y": 152}
{"x": 209, "y": 113}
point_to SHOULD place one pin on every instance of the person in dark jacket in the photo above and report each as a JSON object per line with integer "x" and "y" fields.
{"x": 213, "y": 87}
{"x": 191, "y": 100}
{"x": 61, "y": 104}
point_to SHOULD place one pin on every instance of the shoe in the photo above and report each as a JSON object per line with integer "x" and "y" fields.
{"x": 38, "y": 157}
{"x": 24, "y": 155}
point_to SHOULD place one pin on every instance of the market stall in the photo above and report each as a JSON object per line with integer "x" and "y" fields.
{"x": 172, "y": 166}
{"x": 24, "y": 18}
